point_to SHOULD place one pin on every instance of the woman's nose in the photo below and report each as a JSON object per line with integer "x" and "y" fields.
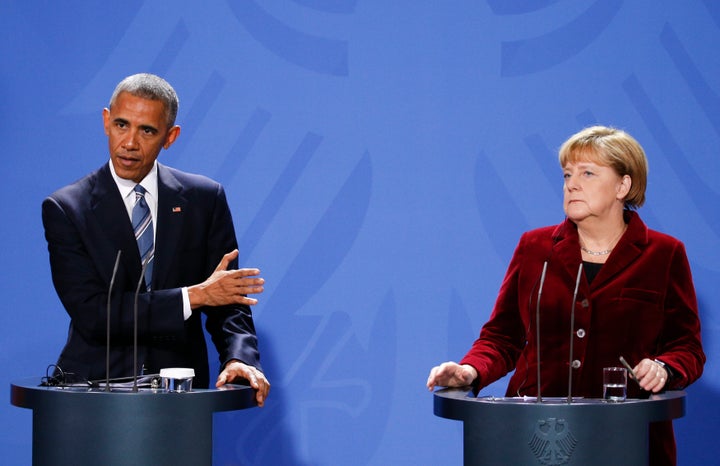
{"x": 571, "y": 183}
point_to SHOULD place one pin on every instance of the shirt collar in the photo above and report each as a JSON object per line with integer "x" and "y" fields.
{"x": 150, "y": 182}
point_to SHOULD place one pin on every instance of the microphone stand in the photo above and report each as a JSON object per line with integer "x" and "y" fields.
{"x": 135, "y": 327}
{"x": 107, "y": 343}
{"x": 537, "y": 329}
{"x": 572, "y": 331}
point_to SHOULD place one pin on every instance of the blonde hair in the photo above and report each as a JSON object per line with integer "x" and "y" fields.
{"x": 612, "y": 148}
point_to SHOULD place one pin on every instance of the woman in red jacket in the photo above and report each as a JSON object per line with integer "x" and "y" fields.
{"x": 635, "y": 297}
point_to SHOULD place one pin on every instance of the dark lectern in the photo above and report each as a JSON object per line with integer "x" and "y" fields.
{"x": 587, "y": 432}
{"x": 76, "y": 426}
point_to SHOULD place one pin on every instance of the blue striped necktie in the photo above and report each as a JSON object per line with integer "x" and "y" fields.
{"x": 143, "y": 227}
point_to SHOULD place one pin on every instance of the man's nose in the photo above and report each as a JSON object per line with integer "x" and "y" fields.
{"x": 130, "y": 141}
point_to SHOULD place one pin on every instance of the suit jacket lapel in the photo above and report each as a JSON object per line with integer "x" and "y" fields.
{"x": 109, "y": 210}
{"x": 567, "y": 249}
{"x": 172, "y": 206}
{"x": 630, "y": 246}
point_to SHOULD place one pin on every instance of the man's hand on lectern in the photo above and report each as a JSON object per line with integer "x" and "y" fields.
{"x": 235, "y": 369}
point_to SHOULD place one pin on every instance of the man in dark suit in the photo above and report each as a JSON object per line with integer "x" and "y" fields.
{"x": 193, "y": 268}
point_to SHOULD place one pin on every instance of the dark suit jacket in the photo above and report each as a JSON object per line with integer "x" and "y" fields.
{"x": 86, "y": 224}
{"x": 640, "y": 305}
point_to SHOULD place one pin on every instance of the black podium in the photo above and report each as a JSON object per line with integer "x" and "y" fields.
{"x": 79, "y": 426}
{"x": 587, "y": 432}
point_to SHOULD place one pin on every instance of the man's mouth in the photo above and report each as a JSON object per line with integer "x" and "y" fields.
{"x": 127, "y": 161}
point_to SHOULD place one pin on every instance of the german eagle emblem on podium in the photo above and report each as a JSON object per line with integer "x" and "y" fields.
{"x": 552, "y": 442}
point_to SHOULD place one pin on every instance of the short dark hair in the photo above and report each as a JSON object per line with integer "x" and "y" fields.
{"x": 149, "y": 86}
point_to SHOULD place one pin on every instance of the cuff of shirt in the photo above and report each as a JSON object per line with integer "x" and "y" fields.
{"x": 187, "y": 311}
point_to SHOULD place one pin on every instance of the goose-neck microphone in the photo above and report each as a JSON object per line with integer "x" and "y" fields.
{"x": 107, "y": 342}
{"x": 537, "y": 329}
{"x": 572, "y": 332}
{"x": 135, "y": 325}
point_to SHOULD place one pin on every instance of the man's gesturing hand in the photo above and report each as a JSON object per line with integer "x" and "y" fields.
{"x": 225, "y": 286}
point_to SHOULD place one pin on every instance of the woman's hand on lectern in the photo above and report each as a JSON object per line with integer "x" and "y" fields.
{"x": 651, "y": 375}
{"x": 451, "y": 374}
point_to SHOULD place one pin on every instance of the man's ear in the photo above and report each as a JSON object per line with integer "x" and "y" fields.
{"x": 106, "y": 120}
{"x": 172, "y": 135}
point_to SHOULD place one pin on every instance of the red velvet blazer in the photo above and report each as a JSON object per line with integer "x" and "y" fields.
{"x": 640, "y": 305}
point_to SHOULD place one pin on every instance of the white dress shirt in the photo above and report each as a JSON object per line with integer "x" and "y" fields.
{"x": 127, "y": 192}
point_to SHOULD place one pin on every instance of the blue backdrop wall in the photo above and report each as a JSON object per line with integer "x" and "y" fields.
{"x": 381, "y": 159}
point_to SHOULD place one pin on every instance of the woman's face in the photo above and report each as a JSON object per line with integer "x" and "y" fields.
{"x": 593, "y": 191}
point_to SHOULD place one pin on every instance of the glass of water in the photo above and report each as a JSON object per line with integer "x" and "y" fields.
{"x": 614, "y": 384}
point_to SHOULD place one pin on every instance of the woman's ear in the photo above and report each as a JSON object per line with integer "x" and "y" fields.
{"x": 624, "y": 187}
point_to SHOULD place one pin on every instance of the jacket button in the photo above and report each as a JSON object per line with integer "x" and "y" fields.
{"x": 580, "y": 333}
{"x": 585, "y": 303}
{"x": 576, "y": 364}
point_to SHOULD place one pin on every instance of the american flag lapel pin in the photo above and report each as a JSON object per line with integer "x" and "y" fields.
{"x": 176, "y": 209}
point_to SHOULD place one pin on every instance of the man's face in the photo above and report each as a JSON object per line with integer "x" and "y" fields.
{"x": 137, "y": 131}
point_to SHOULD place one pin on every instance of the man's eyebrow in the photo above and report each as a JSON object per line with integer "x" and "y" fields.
{"x": 149, "y": 127}
{"x": 142, "y": 127}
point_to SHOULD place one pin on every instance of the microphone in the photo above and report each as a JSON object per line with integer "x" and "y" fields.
{"x": 572, "y": 331}
{"x": 537, "y": 328}
{"x": 135, "y": 325}
{"x": 107, "y": 342}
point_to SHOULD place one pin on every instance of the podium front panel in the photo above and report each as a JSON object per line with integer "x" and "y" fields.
{"x": 74, "y": 426}
{"x": 587, "y": 432}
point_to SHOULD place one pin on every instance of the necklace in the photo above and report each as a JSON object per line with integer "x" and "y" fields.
{"x": 607, "y": 251}
{"x": 596, "y": 253}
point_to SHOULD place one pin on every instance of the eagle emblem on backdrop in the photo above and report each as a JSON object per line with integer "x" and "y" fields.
{"x": 552, "y": 442}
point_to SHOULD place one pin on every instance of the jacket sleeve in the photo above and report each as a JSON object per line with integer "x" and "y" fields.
{"x": 231, "y": 327}
{"x": 502, "y": 338}
{"x": 680, "y": 346}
